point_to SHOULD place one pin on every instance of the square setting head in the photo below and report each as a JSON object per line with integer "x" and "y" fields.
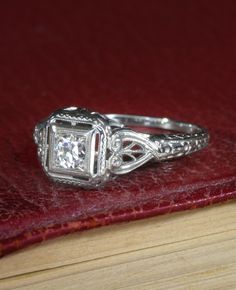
{"x": 74, "y": 145}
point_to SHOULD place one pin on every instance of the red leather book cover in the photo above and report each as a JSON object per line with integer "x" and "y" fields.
{"x": 168, "y": 59}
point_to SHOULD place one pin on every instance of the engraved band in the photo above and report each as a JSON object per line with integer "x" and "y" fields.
{"x": 160, "y": 146}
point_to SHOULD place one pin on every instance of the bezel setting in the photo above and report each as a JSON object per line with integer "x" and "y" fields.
{"x": 75, "y": 123}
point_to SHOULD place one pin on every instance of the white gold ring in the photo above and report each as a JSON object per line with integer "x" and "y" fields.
{"x": 79, "y": 147}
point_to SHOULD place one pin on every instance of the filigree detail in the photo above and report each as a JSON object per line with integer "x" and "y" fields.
{"x": 131, "y": 149}
{"x": 40, "y": 140}
{"x": 167, "y": 148}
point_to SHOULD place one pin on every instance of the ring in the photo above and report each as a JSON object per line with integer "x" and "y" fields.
{"x": 79, "y": 147}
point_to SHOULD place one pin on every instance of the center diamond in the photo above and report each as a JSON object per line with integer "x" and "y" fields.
{"x": 69, "y": 151}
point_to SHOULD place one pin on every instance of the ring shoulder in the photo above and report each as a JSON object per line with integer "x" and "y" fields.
{"x": 131, "y": 149}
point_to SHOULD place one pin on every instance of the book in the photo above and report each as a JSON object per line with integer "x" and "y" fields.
{"x": 194, "y": 249}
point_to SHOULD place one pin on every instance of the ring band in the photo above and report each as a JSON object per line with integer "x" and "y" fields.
{"x": 79, "y": 147}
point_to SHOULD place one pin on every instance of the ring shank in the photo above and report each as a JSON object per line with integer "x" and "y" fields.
{"x": 186, "y": 139}
{"x": 153, "y": 122}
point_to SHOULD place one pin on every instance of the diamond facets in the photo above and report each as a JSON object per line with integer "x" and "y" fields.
{"x": 69, "y": 151}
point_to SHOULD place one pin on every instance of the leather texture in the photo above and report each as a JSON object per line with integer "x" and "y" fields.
{"x": 156, "y": 58}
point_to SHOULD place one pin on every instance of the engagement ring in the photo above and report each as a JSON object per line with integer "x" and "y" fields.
{"x": 79, "y": 147}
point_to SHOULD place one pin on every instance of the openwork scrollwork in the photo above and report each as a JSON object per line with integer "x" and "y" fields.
{"x": 129, "y": 151}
